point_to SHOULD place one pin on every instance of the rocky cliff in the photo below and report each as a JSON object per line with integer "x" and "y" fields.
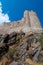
{"x": 19, "y": 43}
{"x": 18, "y": 48}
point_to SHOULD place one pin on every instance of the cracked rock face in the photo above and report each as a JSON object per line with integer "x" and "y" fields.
{"x": 8, "y": 40}
{"x": 20, "y": 47}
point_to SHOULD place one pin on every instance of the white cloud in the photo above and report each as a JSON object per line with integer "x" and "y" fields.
{"x": 3, "y": 17}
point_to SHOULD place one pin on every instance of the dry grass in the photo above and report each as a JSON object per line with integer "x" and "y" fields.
{"x": 30, "y": 62}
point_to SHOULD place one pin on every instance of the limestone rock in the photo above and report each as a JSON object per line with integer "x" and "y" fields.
{"x": 28, "y": 23}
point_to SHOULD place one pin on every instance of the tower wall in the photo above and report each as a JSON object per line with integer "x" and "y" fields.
{"x": 27, "y": 18}
{"x": 35, "y": 23}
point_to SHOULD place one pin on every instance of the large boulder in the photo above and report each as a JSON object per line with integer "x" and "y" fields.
{"x": 12, "y": 39}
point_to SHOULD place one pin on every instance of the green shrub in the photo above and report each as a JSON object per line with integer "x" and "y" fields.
{"x": 40, "y": 39}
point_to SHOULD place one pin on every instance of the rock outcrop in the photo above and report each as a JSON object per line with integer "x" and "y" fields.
{"x": 19, "y": 41}
{"x": 22, "y": 47}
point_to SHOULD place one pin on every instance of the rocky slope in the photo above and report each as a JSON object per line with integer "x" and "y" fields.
{"x": 19, "y": 43}
{"x": 18, "y": 47}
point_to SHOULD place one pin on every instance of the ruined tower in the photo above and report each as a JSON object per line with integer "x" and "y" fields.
{"x": 27, "y": 25}
{"x": 34, "y": 20}
{"x": 27, "y": 18}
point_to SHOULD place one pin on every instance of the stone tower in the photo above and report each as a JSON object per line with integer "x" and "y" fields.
{"x": 27, "y": 25}
{"x": 27, "y": 18}
{"x": 34, "y": 21}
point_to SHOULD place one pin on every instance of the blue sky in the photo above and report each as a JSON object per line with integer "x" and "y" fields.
{"x": 16, "y": 8}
